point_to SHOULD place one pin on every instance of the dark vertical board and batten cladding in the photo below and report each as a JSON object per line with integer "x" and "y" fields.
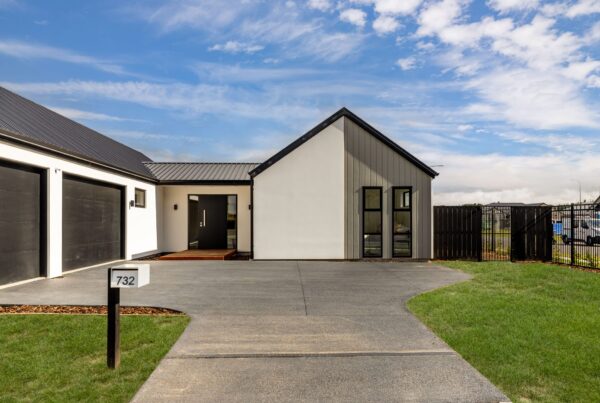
{"x": 370, "y": 162}
{"x": 457, "y": 232}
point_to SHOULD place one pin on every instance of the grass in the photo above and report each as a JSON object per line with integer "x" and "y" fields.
{"x": 533, "y": 329}
{"x": 63, "y": 357}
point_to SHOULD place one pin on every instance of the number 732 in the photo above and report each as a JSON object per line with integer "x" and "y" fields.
{"x": 125, "y": 280}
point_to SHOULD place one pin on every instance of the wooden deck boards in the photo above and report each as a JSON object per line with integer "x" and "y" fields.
{"x": 200, "y": 254}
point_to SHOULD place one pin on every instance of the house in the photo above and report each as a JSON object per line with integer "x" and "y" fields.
{"x": 71, "y": 197}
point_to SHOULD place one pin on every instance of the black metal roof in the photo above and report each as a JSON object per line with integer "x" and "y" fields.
{"x": 25, "y": 121}
{"x": 201, "y": 172}
{"x": 364, "y": 125}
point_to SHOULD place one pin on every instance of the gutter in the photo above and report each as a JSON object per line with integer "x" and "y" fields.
{"x": 12, "y": 137}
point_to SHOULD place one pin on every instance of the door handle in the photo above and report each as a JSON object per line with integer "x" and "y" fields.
{"x": 203, "y": 222}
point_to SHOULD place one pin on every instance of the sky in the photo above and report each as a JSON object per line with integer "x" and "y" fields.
{"x": 501, "y": 97}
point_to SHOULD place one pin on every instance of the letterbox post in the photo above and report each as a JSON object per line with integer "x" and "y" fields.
{"x": 127, "y": 275}
{"x": 113, "y": 352}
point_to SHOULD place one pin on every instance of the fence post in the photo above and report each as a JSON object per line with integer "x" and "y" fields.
{"x": 572, "y": 234}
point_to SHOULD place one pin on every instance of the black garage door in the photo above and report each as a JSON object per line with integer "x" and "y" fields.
{"x": 93, "y": 224}
{"x": 21, "y": 223}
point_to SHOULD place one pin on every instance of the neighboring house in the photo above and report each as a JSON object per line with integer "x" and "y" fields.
{"x": 71, "y": 197}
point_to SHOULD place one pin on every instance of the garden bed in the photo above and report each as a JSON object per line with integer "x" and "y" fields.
{"x": 84, "y": 310}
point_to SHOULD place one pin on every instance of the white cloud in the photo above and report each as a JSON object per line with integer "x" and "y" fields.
{"x": 527, "y": 98}
{"x": 321, "y": 5}
{"x": 486, "y": 178}
{"x": 354, "y": 16}
{"x": 77, "y": 114}
{"x": 583, "y": 7}
{"x": 407, "y": 63}
{"x": 396, "y": 7}
{"x": 236, "y": 73}
{"x": 207, "y": 15}
{"x": 392, "y": 7}
{"x": 195, "y": 100}
{"x": 24, "y": 50}
{"x": 436, "y": 16}
{"x": 385, "y": 24}
{"x": 511, "y": 5}
{"x": 581, "y": 70}
{"x": 470, "y": 35}
{"x": 593, "y": 34}
{"x": 538, "y": 44}
{"x": 236, "y": 47}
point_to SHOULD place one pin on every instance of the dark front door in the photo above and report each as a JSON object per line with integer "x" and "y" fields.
{"x": 207, "y": 222}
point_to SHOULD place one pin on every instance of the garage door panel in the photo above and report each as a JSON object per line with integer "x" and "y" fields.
{"x": 19, "y": 265}
{"x": 76, "y": 256}
{"x": 26, "y": 238}
{"x": 92, "y": 223}
{"x": 20, "y": 223}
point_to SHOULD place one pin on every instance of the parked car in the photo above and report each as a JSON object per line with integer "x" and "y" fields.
{"x": 586, "y": 229}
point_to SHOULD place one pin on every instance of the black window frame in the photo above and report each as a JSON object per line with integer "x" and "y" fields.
{"x": 393, "y": 227}
{"x": 135, "y": 202}
{"x": 380, "y": 210}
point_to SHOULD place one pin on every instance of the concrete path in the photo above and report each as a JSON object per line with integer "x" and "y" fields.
{"x": 289, "y": 331}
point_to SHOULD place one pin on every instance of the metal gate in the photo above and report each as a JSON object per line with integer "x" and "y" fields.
{"x": 531, "y": 233}
{"x": 457, "y": 232}
{"x": 493, "y": 232}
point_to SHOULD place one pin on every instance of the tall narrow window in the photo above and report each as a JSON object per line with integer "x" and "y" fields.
{"x": 402, "y": 222}
{"x": 232, "y": 222}
{"x": 372, "y": 239}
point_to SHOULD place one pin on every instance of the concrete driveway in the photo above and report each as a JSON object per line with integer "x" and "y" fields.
{"x": 289, "y": 331}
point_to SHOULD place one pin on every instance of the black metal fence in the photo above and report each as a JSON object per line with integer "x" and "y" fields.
{"x": 457, "y": 232}
{"x": 576, "y": 235}
{"x": 493, "y": 232}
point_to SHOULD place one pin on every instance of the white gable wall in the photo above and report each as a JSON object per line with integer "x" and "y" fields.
{"x": 299, "y": 201}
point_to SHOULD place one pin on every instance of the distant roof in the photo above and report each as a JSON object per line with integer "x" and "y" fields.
{"x": 24, "y": 120}
{"x": 361, "y": 123}
{"x": 202, "y": 172}
{"x": 502, "y": 204}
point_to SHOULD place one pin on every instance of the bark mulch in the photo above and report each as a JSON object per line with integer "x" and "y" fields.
{"x": 84, "y": 310}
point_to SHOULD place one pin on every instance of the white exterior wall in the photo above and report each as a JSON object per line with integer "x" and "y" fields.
{"x": 140, "y": 223}
{"x": 174, "y": 230}
{"x": 299, "y": 201}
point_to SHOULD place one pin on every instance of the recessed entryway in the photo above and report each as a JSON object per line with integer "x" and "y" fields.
{"x": 212, "y": 222}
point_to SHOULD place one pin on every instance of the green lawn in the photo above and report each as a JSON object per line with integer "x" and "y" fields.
{"x": 532, "y": 329}
{"x": 63, "y": 357}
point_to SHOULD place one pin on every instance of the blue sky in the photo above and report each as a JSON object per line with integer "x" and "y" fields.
{"x": 504, "y": 94}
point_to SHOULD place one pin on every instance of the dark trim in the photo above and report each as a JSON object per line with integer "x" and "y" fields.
{"x": 365, "y": 209}
{"x": 344, "y": 112}
{"x": 124, "y": 205}
{"x": 223, "y": 182}
{"x": 44, "y": 226}
{"x": 410, "y": 210}
{"x": 252, "y": 219}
